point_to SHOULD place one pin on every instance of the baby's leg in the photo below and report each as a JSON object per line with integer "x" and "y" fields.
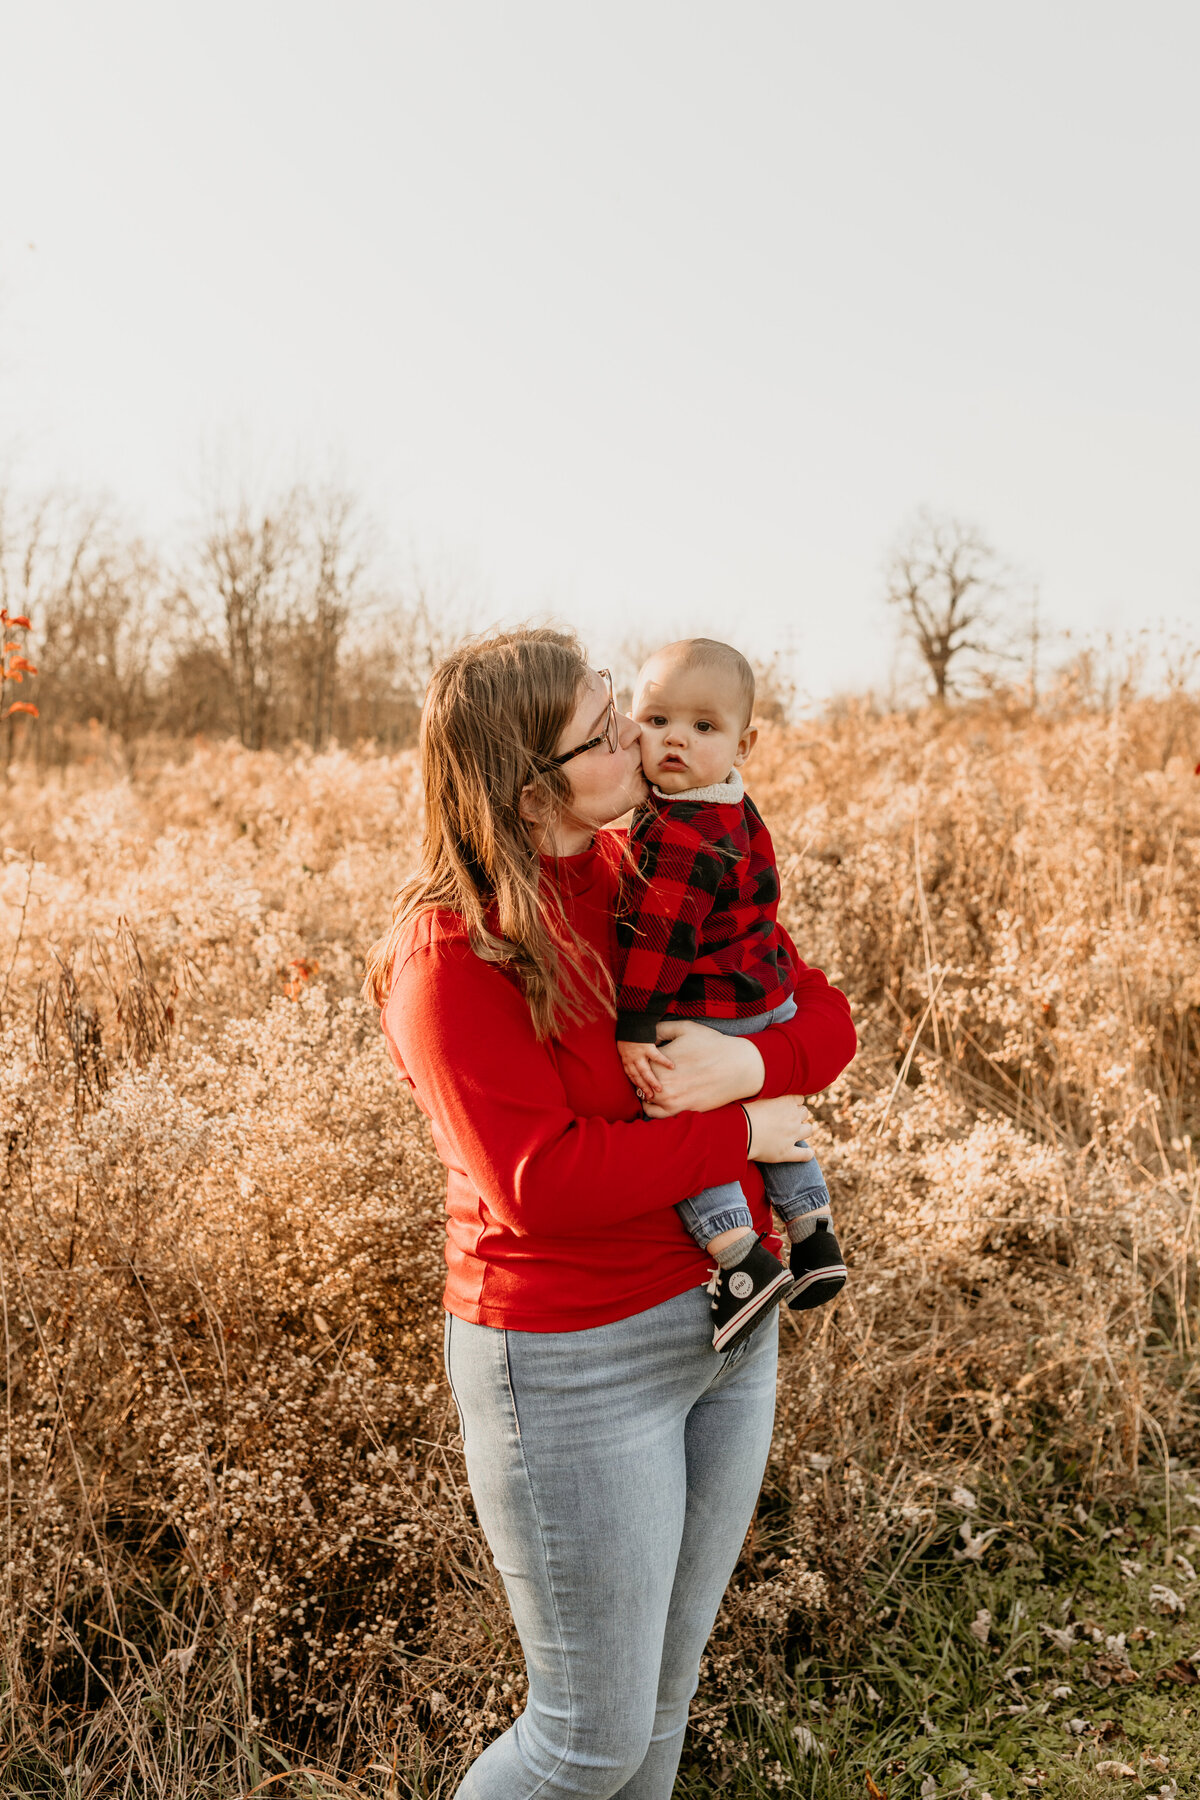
{"x": 748, "y": 1282}
{"x": 798, "y": 1193}
{"x": 719, "y": 1219}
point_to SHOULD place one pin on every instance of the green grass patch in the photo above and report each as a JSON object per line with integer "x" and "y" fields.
{"x": 1004, "y": 1649}
{"x": 1032, "y": 1643}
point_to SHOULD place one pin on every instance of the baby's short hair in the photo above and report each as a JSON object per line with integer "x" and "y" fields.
{"x": 708, "y": 653}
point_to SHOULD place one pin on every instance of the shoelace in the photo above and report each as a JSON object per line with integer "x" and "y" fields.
{"x": 714, "y": 1282}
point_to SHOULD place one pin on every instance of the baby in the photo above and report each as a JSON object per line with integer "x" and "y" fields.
{"x": 697, "y": 939}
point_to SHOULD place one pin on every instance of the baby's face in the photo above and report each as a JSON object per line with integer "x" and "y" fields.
{"x": 693, "y": 729}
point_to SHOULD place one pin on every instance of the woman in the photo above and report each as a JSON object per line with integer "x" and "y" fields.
{"x": 614, "y": 1457}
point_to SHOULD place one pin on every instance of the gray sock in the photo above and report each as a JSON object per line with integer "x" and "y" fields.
{"x": 806, "y": 1224}
{"x": 736, "y": 1252}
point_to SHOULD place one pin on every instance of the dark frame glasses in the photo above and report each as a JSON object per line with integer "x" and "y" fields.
{"x": 609, "y": 735}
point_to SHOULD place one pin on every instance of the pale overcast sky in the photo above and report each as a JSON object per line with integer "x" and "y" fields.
{"x": 637, "y": 313}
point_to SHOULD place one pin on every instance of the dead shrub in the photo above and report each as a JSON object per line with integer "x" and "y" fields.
{"x": 234, "y": 1480}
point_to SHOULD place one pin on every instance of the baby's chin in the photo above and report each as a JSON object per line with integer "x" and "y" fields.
{"x": 671, "y": 781}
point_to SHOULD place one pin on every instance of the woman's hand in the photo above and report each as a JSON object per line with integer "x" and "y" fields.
{"x": 775, "y": 1127}
{"x": 709, "y": 1070}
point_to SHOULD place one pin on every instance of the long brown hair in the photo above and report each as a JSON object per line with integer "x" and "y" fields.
{"x": 493, "y": 716}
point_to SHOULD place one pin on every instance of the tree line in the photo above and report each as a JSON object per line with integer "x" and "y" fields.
{"x": 271, "y": 626}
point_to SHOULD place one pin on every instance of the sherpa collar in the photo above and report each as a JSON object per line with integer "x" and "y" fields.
{"x": 720, "y": 793}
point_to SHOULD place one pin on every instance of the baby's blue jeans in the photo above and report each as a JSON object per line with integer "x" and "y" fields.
{"x": 614, "y": 1472}
{"x": 792, "y": 1188}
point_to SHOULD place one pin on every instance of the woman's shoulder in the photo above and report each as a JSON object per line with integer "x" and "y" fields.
{"x": 437, "y": 975}
{"x": 434, "y": 935}
{"x": 437, "y": 942}
{"x": 438, "y": 950}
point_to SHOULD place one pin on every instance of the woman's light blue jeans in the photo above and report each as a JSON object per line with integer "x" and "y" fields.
{"x": 792, "y": 1188}
{"x": 615, "y": 1472}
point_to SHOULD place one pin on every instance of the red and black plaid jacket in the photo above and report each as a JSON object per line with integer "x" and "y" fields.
{"x": 696, "y": 930}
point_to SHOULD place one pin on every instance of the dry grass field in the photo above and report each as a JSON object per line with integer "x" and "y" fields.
{"x": 238, "y": 1547}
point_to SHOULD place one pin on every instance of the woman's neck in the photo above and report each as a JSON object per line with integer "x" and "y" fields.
{"x": 563, "y": 838}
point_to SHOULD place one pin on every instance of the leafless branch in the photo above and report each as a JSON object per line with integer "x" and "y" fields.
{"x": 949, "y": 586}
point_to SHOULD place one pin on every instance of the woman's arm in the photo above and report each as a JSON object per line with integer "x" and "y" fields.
{"x": 799, "y": 1057}
{"x": 707, "y": 1069}
{"x": 462, "y": 1034}
{"x": 808, "y": 1052}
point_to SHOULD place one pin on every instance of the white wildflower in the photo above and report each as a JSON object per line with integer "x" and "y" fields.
{"x": 974, "y": 1543}
{"x": 981, "y": 1625}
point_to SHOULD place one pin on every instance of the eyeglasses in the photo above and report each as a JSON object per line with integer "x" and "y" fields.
{"x": 608, "y": 736}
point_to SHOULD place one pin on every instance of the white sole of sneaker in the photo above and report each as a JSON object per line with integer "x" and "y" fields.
{"x": 762, "y": 1302}
{"x": 835, "y": 1271}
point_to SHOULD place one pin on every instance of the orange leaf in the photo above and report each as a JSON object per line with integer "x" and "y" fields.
{"x": 22, "y": 623}
{"x": 876, "y": 1793}
{"x": 21, "y": 662}
{"x": 23, "y": 706}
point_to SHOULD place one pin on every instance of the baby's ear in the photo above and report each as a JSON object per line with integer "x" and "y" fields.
{"x": 745, "y": 745}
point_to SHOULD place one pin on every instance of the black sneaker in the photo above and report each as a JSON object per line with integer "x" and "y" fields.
{"x": 744, "y": 1297}
{"x": 818, "y": 1267}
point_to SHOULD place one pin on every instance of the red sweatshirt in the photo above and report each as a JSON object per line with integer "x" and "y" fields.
{"x": 560, "y": 1202}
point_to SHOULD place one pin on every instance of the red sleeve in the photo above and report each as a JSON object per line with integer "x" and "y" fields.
{"x": 808, "y": 1052}
{"x": 463, "y": 1036}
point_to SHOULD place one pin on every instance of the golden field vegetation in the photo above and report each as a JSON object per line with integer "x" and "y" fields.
{"x": 237, "y": 1533}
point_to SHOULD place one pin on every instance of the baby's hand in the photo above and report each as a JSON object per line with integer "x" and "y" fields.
{"x": 639, "y": 1062}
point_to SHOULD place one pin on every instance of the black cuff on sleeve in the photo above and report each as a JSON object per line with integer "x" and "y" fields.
{"x": 638, "y": 1028}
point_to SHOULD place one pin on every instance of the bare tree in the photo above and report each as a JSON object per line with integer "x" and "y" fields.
{"x": 391, "y": 652}
{"x": 193, "y": 698}
{"x": 99, "y": 634}
{"x": 949, "y": 585}
{"x": 776, "y": 691}
{"x": 43, "y": 540}
{"x": 275, "y": 586}
{"x": 94, "y": 597}
{"x": 247, "y": 565}
{"x": 271, "y": 630}
{"x": 335, "y": 553}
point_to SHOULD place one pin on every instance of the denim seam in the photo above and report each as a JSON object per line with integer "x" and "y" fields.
{"x": 512, "y": 1398}
{"x": 562, "y": 1762}
{"x": 462, "y": 1424}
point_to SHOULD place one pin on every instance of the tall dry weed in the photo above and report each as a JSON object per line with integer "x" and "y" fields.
{"x": 235, "y": 1495}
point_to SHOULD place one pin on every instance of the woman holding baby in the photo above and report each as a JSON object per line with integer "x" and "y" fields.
{"x": 614, "y": 1455}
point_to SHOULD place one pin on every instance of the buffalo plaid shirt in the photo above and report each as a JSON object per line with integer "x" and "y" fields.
{"x": 696, "y": 931}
